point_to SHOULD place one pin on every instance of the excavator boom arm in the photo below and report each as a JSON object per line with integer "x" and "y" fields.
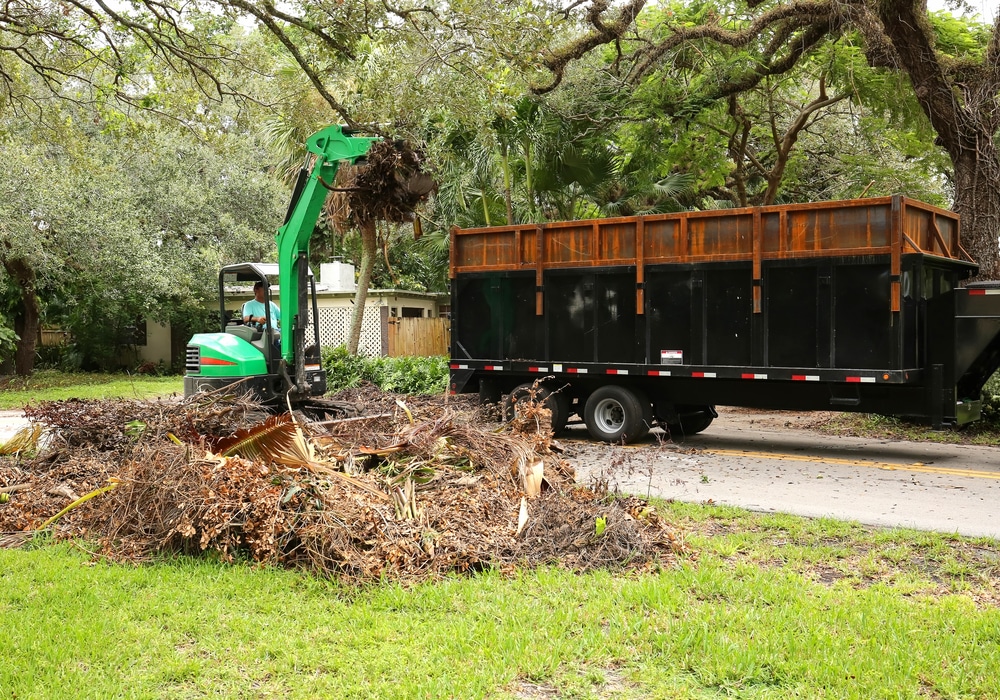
{"x": 330, "y": 147}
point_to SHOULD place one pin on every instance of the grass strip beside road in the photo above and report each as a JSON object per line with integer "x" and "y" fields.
{"x": 984, "y": 432}
{"x": 755, "y": 613}
{"x": 47, "y": 385}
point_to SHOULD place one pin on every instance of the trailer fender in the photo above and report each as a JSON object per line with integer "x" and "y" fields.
{"x": 689, "y": 420}
{"x": 459, "y": 378}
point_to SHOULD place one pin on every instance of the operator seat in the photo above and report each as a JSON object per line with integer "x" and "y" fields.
{"x": 245, "y": 332}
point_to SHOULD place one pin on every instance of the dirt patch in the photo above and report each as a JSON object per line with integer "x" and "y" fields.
{"x": 755, "y": 418}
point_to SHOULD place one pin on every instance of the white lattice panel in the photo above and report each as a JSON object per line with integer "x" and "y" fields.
{"x": 335, "y": 324}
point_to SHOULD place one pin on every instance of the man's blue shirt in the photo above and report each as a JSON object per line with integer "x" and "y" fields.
{"x": 256, "y": 308}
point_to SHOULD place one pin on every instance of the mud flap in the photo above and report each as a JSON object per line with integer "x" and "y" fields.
{"x": 459, "y": 379}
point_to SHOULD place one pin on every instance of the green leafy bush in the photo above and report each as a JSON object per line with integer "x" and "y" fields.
{"x": 401, "y": 375}
{"x": 991, "y": 402}
{"x": 8, "y": 342}
{"x": 343, "y": 370}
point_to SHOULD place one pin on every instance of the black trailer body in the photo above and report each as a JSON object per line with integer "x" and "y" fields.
{"x": 853, "y": 305}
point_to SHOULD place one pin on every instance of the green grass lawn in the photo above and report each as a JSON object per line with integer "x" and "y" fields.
{"x": 766, "y": 607}
{"x": 51, "y": 385}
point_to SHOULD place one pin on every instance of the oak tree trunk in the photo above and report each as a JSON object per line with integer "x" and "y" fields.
{"x": 977, "y": 201}
{"x": 27, "y": 319}
{"x": 963, "y": 113}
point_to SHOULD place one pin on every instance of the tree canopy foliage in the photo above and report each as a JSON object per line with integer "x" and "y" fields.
{"x": 953, "y": 67}
{"x": 149, "y": 142}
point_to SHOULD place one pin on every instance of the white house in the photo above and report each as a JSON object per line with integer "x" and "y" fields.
{"x": 335, "y": 290}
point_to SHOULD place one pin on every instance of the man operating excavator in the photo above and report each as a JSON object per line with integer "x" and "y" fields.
{"x": 254, "y": 311}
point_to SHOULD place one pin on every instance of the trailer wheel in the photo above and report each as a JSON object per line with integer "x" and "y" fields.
{"x": 556, "y": 402}
{"x": 692, "y": 420}
{"x": 617, "y": 414}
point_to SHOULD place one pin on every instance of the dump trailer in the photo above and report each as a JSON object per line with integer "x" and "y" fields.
{"x": 630, "y": 322}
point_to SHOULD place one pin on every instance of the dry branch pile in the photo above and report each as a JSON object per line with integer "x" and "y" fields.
{"x": 408, "y": 491}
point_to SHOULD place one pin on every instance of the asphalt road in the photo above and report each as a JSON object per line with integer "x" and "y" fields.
{"x": 10, "y": 423}
{"x": 769, "y": 462}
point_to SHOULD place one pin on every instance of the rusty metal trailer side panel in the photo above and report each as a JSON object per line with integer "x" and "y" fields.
{"x": 890, "y": 226}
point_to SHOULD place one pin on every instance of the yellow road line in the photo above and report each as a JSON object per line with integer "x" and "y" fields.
{"x": 889, "y": 466}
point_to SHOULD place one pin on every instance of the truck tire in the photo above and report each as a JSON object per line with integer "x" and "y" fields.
{"x": 693, "y": 420}
{"x": 617, "y": 414}
{"x": 556, "y": 402}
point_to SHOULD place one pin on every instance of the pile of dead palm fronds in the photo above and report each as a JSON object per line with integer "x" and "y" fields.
{"x": 406, "y": 491}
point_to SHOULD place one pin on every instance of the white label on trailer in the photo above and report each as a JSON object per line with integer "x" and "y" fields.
{"x": 671, "y": 357}
{"x": 557, "y": 368}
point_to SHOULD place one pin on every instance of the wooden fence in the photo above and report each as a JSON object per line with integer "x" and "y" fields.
{"x": 419, "y": 336}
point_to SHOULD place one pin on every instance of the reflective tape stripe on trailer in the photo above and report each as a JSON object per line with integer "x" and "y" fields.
{"x": 806, "y": 377}
{"x": 863, "y": 380}
{"x": 706, "y": 375}
{"x": 538, "y": 369}
{"x": 982, "y": 292}
{"x": 576, "y": 370}
{"x": 495, "y": 368}
{"x": 749, "y": 375}
{"x": 459, "y": 366}
{"x": 659, "y": 373}
{"x": 617, "y": 371}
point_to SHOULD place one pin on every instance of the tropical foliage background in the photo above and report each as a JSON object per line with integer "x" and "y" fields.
{"x": 147, "y": 143}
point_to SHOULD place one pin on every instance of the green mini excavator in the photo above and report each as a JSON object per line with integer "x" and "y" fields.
{"x": 246, "y": 357}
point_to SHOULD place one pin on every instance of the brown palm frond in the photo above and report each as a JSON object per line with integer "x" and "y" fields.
{"x": 277, "y": 439}
{"x": 24, "y": 440}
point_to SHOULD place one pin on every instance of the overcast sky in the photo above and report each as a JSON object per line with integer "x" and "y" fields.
{"x": 987, "y": 8}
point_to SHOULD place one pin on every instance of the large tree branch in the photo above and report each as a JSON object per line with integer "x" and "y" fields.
{"x": 911, "y": 36}
{"x": 814, "y": 18}
{"x": 310, "y": 27}
{"x": 272, "y": 26}
{"x": 605, "y": 32}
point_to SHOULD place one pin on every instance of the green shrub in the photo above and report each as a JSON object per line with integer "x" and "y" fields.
{"x": 401, "y": 375}
{"x": 991, "y": 402}
{"x": 343, "y": 370}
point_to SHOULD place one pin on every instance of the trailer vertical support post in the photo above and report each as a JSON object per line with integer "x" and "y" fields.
{"x": 937, "y": 396}
{"x": 453, "y": 258}
{"x": 539, "y": 271}
{"x": 640, "y": 267}
{"x": 896, "y": 246}
{"x": 758, "y": 328}
{"x": 757, "y": 234}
